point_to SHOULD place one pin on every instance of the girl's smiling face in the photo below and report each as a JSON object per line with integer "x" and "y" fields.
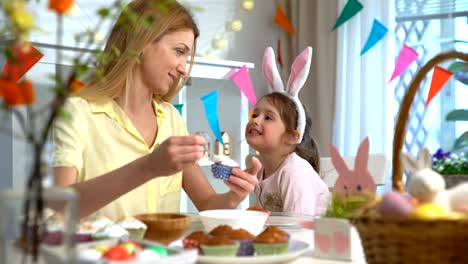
{"x": 265, "y": 130}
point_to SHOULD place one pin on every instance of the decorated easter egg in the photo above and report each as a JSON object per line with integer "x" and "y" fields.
{"x": 429, "y": 211}
{"x": 395, "y": 204}
{"x": 89, "y": 254}
{"x": 160, "y": 250}
{"x": 147, "y": 256}
{"x": 131, "y": 247}
{"x": 118, "y": 253}
{"x": 102, "y": 248}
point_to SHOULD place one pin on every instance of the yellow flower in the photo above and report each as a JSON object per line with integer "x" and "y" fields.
{"x": 20, "y": 16}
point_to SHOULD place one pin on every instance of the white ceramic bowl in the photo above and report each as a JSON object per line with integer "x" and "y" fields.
{"x": 252, "y": 221}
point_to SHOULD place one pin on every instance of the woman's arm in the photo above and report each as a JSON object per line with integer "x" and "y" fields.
{"x": 241, "y": 184}
{"x": 173, "y": 155}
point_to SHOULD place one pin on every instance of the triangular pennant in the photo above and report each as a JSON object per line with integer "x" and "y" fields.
{"x": 405, "y": 58}
{"x": 242, "y": 79}
{"x": 282, "y": 21}
{"x": 439, "y": 77}
{"x": 351, "y": 8}
{"x": 210, "y": 102}
{"x": 377, "y": 33}
{"x": 24, "y": 57}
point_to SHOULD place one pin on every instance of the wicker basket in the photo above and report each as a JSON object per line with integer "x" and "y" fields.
{"x": 409, "y": 240}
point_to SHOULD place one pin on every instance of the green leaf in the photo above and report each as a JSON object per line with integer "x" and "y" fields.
{"x": 461, "y": 142}
{"x": 457, "y": 115}
{"x": 104, "y": 12}
{"x": 458, "y": 66}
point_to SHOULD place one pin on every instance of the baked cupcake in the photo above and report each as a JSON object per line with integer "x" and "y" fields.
{"x": 222, "y": 167}
{"x": 272, "y": 241}
{"x": 244, "y": 238}
{"x": 135, "y": 228}
{"x": 221, "y": 230}
{"x": 220, "y": 246}
{"x": 195, "y": 239}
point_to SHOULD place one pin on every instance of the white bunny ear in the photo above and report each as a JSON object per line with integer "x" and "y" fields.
{"x": 299, "y": 71}
{"x": 270, "y": 71}
{"x": 425, "y": 158}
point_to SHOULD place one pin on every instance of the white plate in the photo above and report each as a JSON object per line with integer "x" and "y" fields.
{"x": 296, "y": 248}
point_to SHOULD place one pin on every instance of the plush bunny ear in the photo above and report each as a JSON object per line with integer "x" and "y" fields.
{"x": 299, "y": 72}
{"x": 425, "y": 159}
{"x": 270, "y": 71}
{"x": 409, "y": 163}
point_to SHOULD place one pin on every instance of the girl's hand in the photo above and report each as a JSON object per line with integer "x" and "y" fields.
{"x": 175, "y": 154}
{"x": 242, "y": 183}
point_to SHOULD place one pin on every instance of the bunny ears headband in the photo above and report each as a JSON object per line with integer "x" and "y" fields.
{"x": 299, "y": 72}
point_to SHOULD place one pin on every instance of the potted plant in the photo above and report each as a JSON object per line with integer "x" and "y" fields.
{"x": 453, "y": 167}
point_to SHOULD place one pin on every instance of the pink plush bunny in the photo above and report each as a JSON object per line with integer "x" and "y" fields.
{"x": 358, "y": 179}
{"x": 297, "y": 78}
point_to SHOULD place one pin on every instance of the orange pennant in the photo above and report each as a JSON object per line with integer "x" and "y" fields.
{"x": 76, "y": 86}
{"x": 17, "y": 93}
{"x": 439, "y": 77}
{"x": 25, "y": 56}
{"x": 282, "y": 21}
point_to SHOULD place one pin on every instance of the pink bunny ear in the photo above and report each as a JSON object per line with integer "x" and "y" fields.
{"x": 344, "y": 174}
{"x": 299, "y": 71}
{"x": 270, "y": 71}
{"x": 360, "y": 167}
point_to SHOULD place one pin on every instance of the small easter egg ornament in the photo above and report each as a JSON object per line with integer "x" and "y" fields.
{"x": 160, "y": 250}
{"x": 131, "y": 247}
{"x": 395, "y": 204}
{"x": 219, "y": 43}
{"x": 428, "y": 211}
{"x": 147, "y": 256}
{"x": 118, "y": 253}
{"x": 89, "y": 254}
{"x": 247, "y": 5}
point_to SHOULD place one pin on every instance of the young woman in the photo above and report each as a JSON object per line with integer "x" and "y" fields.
{"x": 126, "y": 149}
{"x": 280, "y": 131}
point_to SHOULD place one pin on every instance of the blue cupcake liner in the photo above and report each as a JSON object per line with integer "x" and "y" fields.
{"x": 222, "y": 172}
{"x": 246, "y": 248}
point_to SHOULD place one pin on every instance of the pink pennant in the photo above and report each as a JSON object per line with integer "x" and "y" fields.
{"x": 439, "y": 78}
{"x": 406, "y": 57}
{"x": 242, "y": 79}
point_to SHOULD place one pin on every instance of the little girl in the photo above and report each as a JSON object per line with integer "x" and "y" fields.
{"x": 279, "y": 130}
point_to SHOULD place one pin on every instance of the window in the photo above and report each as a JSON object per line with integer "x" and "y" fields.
{"x": 431, "y": 27}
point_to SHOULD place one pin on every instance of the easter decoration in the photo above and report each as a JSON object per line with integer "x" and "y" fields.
{"x": 335, "y": 237}
{"x": 426, "y": 224}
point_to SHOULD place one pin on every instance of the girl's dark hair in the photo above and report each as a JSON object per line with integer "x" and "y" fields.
{"x": 287, "y": 110}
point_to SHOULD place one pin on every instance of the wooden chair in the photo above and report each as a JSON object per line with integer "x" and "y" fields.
{"x": 378, "y": 165}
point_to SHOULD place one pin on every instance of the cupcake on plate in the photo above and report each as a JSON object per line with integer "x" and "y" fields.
{"x": 272, "y": 241}
{"x": 135, "y": 228}
{"x": 221, "y": 230}
{"x": 222, "y": 167}
{"x": 244, "y": 238}
{"x": 195, "y": 239}
{"x": 220, "y": 246}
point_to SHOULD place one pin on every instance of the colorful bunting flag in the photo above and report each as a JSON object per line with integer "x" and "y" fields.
{"x": 23, "y": 58}
{"x": 405, "y": 58}
{"x": 210, "y": 101}
{"x": 283, "y": 22}
{"x": 242, "y": 79}
{"x": 351, "y": 8}
{"x": 439, "y": 77}
{"x": 179, "y": 108}
{"x": 378, "y": 31}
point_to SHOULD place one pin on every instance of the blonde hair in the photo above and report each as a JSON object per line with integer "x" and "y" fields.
{"x": 128, "y": 39}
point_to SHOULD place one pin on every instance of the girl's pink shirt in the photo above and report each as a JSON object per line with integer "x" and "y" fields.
{"x": 294, "y": 187}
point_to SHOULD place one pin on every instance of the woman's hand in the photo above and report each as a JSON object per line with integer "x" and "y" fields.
{"x": 242, "y": 183}
{"x": 175, "y": 154}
